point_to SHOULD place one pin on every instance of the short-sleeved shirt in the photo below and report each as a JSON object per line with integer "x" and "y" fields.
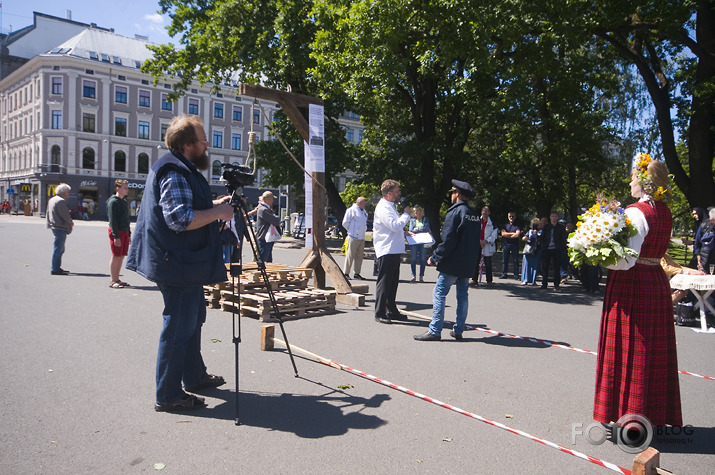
{"x": 511, "y": 228}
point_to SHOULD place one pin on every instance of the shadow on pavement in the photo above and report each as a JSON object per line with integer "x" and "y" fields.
{"x": 307, "y": 416}
{"x": 684, "y": 440}
{"x": 567, "y": 295}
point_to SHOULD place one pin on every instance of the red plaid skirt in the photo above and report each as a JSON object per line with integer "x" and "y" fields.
{"x": 637, "y": 369}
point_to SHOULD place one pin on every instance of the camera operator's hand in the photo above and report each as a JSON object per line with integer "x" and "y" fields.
{"x": 225, "y": 211}
{"x": 221, "y": 200}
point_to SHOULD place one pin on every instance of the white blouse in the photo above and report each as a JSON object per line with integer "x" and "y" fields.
{"x": 635, "y": 242}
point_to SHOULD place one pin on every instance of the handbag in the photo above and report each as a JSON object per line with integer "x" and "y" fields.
{"x": 528, "y": 249}
{"x": 273, "y": 235}
{"x": 686, "y": 315}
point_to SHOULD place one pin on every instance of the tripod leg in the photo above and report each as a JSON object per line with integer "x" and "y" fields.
{"x": 253, "y": 241}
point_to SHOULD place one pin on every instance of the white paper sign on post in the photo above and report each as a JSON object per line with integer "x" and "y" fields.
{"x": 315, "y": 149}
{"x": 314, "y": 162}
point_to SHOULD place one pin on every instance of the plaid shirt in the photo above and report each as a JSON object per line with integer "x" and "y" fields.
{"x": 176, "y": 198}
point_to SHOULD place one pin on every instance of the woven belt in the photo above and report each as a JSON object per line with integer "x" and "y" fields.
{"x": 648, "y": 261}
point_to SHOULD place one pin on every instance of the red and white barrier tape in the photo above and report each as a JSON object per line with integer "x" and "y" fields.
{"x": 533, "y": 340}
{"x": 402, "y": 389}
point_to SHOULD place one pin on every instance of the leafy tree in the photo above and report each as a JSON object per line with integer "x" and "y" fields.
{"x": 252, "y": 41}
{"x": 405, "y": 64}
{"x": 655, "y": 37}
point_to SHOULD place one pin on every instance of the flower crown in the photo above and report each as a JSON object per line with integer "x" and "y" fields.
{"x": 646, "y": 182}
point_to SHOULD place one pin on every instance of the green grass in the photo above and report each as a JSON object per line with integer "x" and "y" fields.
{"x": 679, "y": 252}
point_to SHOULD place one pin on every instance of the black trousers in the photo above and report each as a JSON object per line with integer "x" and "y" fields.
{"x": 553, "y": 257}
{"x": 388, "y": 277}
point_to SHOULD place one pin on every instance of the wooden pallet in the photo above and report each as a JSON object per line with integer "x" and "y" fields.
{"x": 291, "y": 303}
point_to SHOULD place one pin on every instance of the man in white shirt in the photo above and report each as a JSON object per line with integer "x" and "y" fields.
{"x": 388, "y": 239}
{"x": 355, "y": 222}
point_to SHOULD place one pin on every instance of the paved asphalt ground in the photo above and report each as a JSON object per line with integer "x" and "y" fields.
{"x": 77, "y": 370}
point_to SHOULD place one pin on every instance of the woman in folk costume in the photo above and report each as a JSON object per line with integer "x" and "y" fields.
{"x": 637, "y": 370}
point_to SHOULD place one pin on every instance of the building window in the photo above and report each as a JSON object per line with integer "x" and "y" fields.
{"x": 216, "y": 170}
{"x": 89, "y": 89}
{"x": 361, "y": 135}
{"x": 55, "y": 158}
{"x": 236, "y": 141}
{"x": 120, "y": 161}
{"x": 194, "y": 106}
{"x": 256, "y": 117}
{"x": 56, "y": 119}
{"x": 120, "y": 94}
{"x": 143, "y": 163}
{"x": 143, "y": 130}
{"x": 349, "y": 135}
{"x": 237, "y": 113}
{"x": 88, "y": 123}
{"x": 88, "y": 158}
{"x": 120, "y": 127}
{"x": 144, "y": 98}
{"x": 218, "y": 110}
{"x": 164, "y": 128}
{"x": 165, "y": 104}
{"x": 218, "y": 140}
{"x": 56, "y": 85}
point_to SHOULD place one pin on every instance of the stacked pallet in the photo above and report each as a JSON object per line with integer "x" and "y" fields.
{"x": 249, "y": 296}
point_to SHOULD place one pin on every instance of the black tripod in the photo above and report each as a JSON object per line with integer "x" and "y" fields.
{"x": 239, "y": 211}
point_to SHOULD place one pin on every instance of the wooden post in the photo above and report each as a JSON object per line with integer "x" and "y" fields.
{"x": 646, "y": 462}
{"x": 267, "y": 334}
{"x": 319, "y": 229}
{"x": 318, "y": 258}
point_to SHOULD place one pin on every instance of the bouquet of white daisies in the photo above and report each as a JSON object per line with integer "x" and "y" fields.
{"x": 601, "y": 235}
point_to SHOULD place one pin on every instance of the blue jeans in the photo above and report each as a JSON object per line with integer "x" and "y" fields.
{"x": 441, "y": 289}
{"x": 265, "y": 249}
{"x": 417, "y": 251}
{"x": 179, "y": 357}
{"x": 58, "y": 249}
{"x": 227, "y": 250}
{"x": 510, "y": 250}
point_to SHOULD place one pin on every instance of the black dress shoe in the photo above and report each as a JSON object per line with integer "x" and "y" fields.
{"x": 358, "y": 277}
{"x": 400, "y": 317}
{"x": 383, "y": 320}
{"x": 427, "y": 336}
{"x": 456, "y": 336}
{"x": 60, "y": 272}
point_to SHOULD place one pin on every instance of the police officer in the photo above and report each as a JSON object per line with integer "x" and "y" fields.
{"x": 455, "y": 258}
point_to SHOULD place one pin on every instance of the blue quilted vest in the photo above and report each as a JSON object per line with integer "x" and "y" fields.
{"x": 186, "y": 258}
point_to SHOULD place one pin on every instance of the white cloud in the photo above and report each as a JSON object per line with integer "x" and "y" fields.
{"x": 155, "y": 18}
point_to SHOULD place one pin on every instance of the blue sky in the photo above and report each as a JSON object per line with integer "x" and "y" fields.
{"x": 127, "y": 17}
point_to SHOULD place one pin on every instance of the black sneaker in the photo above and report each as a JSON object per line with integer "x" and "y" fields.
{"x": 400, "y": 317}
{"x": 427, "y": 336}
{"x": 188, "y": 402}
{"x": 456, "y": 336}
{"x": 60, "y": 272}
{"x": 383, "y": 320}
{"x": 358, "y": 277}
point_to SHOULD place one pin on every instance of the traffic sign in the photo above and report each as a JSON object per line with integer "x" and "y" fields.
{"x": 11, "y": 191}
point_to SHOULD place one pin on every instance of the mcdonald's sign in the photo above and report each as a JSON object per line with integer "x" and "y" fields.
{"x": 51, "y": 190}
{"x": 25, "y": 188}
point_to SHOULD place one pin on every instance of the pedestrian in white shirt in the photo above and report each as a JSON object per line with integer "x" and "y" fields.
{"x": 355, "y": 222}
{"x": 388, "y": 238}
